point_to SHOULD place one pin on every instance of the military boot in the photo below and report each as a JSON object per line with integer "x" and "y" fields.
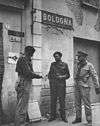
{"x": 77, "y": 120}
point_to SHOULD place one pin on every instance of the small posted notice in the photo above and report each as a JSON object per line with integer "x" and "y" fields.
{"x": 34, "y": 111}
{"x": 13, "y": 57}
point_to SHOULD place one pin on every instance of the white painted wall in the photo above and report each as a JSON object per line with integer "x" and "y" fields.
{"x": 11, "y": 21}
{"x": 54, "y": 40}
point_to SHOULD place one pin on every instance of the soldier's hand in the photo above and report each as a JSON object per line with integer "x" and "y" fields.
{"x": 39, "y": 77}
{"x": 45, "y": 77}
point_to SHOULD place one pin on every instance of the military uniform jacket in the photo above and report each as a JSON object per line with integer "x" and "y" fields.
{"x": 58, "y": 69}
{"x": 25, "y": 69}
{"x": 83, "y": 75}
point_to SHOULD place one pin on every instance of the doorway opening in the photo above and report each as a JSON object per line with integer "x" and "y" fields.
{"x": 93, "y": 49}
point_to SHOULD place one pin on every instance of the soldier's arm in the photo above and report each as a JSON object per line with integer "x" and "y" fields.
{"x": 51, "y": 72}
{"x": 67, "y": 74}
{"x": 94, "y": 76}
{"x": 27, "y": 72}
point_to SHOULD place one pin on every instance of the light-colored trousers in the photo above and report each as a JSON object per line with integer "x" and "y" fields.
{"x": 83, "y": 94}
{"x": 23, "y": 93}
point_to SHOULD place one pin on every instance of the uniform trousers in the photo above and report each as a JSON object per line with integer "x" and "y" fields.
{"x": 57, "y": 92}
{"x": 23, "y": 93}
{"x": 83, "y": 94}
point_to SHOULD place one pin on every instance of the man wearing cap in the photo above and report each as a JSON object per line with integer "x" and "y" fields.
{"x": 58, "y": 74}
{"x": 84, "y": 72}
{"x": 25, "y": 75}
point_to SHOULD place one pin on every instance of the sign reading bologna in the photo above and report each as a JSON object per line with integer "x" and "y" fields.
{"x": 57, "y": 20}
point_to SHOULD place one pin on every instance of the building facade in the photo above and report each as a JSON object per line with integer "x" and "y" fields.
{"x": 49, "y": 26}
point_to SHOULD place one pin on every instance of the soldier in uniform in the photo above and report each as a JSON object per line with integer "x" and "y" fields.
{"x": 58, "y": 74}
{"x": 85, "y": 71}
{"x": 25, "y": 75}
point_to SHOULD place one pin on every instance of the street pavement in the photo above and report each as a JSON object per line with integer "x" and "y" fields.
{"x": 58, "y": 122}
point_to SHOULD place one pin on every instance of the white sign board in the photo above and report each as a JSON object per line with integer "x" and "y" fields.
{"x": 34, "y": 111}
{"x": 14, "y": 38}
{"x": 13, "y": 57}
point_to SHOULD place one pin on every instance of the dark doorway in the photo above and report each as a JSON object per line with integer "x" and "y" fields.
{"x": 1, "y": 50}
{"x": 1, "y": 67}
{"x": 93, "y": 50}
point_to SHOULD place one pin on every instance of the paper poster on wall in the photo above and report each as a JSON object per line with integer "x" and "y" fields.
{"x": 34, "y": 111}
{"x": 13, "y": 57}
